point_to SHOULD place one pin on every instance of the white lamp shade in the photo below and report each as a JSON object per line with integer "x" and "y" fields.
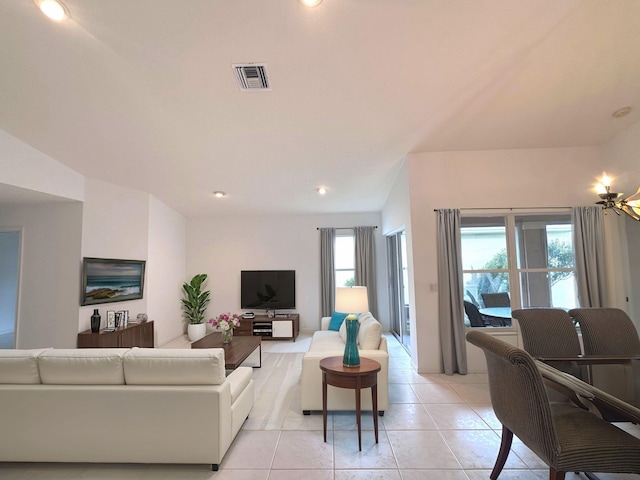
{"x": 352, "y": 300}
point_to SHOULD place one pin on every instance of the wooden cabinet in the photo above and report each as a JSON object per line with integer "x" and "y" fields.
{"x": 270, "y": 328}
{"x": 134, "y": 335}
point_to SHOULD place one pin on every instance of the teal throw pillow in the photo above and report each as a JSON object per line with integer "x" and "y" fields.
{"x": 336, "y": 320}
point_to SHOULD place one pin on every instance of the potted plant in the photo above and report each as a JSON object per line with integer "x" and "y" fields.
{"x": 195, "y": 303}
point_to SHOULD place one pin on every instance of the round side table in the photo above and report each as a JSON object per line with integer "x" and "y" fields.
{"x": 363, "y": 376}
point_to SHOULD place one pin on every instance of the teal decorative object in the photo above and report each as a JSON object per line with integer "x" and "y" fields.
{"x": 351, "y": 356}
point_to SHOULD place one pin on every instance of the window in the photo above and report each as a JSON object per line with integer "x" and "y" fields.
{"x": 345, "y": 259}
{"x": 534, "y": 249}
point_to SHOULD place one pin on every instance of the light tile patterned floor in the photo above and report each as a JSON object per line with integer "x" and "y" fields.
{"x": 437, "y": 427}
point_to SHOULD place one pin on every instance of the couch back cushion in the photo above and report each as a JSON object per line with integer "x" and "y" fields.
{"x": 154, "y": 366}
{"x": 20, "y": 366}
{"x": 82, "y": 366}
{"x": 369, "y": 332}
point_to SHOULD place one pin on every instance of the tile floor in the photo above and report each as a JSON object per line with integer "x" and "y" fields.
{"x": 437, "y": 427}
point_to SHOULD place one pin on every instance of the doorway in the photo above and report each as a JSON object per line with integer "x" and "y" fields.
{"x": 399, "y": 300}
{"x": 9, "y": 286}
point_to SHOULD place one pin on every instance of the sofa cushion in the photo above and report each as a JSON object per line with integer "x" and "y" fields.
{"x": 326, "y": 341}
{"x": 369, "y": 332}
{"x": 88, "y": 366}
{"x": 154, "y": 366}
{"x": 337, "y": 319}
{"x": 20, "y": 366}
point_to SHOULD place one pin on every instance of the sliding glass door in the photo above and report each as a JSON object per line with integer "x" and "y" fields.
{"x": 398, "y": 287}
{"x": 9, "y": 281}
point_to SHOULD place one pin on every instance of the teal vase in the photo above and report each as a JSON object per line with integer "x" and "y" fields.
{"x": 351, "y": 356}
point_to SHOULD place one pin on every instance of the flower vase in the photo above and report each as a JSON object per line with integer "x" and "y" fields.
{"x": 227, "y": 335}
{"x": 351, "y": 356}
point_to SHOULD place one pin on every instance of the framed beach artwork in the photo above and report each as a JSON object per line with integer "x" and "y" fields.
{"x": 106, "y": 280}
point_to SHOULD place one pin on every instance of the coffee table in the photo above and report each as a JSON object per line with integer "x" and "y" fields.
{"x": 235, "y": 352}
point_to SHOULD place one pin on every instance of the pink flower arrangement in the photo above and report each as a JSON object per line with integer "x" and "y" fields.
{"x": 225, "y": 321}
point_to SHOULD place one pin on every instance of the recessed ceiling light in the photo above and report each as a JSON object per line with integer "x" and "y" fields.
{"x": 622, "y": 112}
{"x": 54, "y": 9}
{"x": 219, "y": 194}
{"x": 321, "y": 190}
{"x": 310, "y": 3}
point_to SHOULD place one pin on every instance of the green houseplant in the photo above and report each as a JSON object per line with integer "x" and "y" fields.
{"x": 195, "y": 303}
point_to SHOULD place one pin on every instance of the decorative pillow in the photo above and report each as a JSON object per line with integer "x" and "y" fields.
{"x": 369, "y": 333}
{"x": 343, "y": 332}
{"x": 337, "y": 319}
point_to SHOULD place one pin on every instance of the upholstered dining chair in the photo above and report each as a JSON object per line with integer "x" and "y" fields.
{"x": 609, "y": 331}
{"x": 566, "y": 437}
{"x": 550, "y": 332}
{"x": 606, "y": 331}
{"x": 496, "y": 299}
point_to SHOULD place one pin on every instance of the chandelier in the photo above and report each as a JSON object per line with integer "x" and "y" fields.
{"x": 611, "y": 200}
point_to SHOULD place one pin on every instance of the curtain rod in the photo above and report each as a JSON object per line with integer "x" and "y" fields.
{"x": 510, "y": 208}
{"x": 344, "y": 228}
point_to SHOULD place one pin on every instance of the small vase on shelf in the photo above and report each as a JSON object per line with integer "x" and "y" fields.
{"x": 95, "y": 321}
{"x": 227, "y": 335}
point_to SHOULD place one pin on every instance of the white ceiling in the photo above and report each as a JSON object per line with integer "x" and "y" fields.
{"x": 141, "y": 92}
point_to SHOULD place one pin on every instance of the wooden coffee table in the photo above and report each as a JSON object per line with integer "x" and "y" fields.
{"x": 363, "y": 376}
{"x": 235, "y": 352}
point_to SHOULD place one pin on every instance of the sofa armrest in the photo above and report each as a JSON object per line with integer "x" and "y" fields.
{"x": 324, "y": 323}
{"x": 238, "y": 381}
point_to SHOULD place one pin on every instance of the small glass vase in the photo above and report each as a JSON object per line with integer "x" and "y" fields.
{"x": 227, "y": 335}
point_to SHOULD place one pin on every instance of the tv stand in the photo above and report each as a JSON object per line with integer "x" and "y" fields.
{"x": 279, "y": 327}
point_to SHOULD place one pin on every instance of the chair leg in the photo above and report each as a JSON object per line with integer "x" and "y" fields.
{"x": 554, "y": 475}
{"x": 505, "y": 448}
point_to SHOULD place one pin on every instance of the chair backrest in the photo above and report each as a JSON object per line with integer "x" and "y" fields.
{"x": 548, "y": 332}
{"x": 496, "y": 299}
{"x": 475, "y": 318}
{"x": 518, "y": 394}
{"x": 607, "y": 331}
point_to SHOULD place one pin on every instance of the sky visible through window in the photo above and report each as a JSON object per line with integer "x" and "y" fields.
{"x": 345, "y": 260}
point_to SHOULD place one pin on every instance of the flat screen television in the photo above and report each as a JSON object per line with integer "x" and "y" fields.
{"x": 268, "y": 289}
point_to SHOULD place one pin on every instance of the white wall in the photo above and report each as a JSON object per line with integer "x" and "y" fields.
{"x": 396, "y": 216}
{"x": 223, "y": 246}
{"x": 621, "y": 160}
{"x": 25, "y": 167}
{"x": 166, "y": 267}
{"x": 483, "y": 179}
{"x": 115, "y": 224}
{"x": 50, "y": 273}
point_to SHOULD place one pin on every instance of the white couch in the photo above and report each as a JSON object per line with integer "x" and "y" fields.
{"x": 329, "y": 343}
{"x": 120, "y": 405}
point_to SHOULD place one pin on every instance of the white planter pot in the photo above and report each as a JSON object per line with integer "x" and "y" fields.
{"x": 196, "y": 331}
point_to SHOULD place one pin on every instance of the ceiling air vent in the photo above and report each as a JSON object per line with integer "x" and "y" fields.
{"x": 252, "y": 76}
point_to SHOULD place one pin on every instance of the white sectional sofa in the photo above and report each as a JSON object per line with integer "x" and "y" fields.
{"x": 120, "y": 405}
{"x": 329, "y": 343}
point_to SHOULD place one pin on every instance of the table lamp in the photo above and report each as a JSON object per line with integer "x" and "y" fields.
{"x": 351, "y": 300}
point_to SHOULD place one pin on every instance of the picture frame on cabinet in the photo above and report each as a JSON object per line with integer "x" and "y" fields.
{"x": 111, "y": 319}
